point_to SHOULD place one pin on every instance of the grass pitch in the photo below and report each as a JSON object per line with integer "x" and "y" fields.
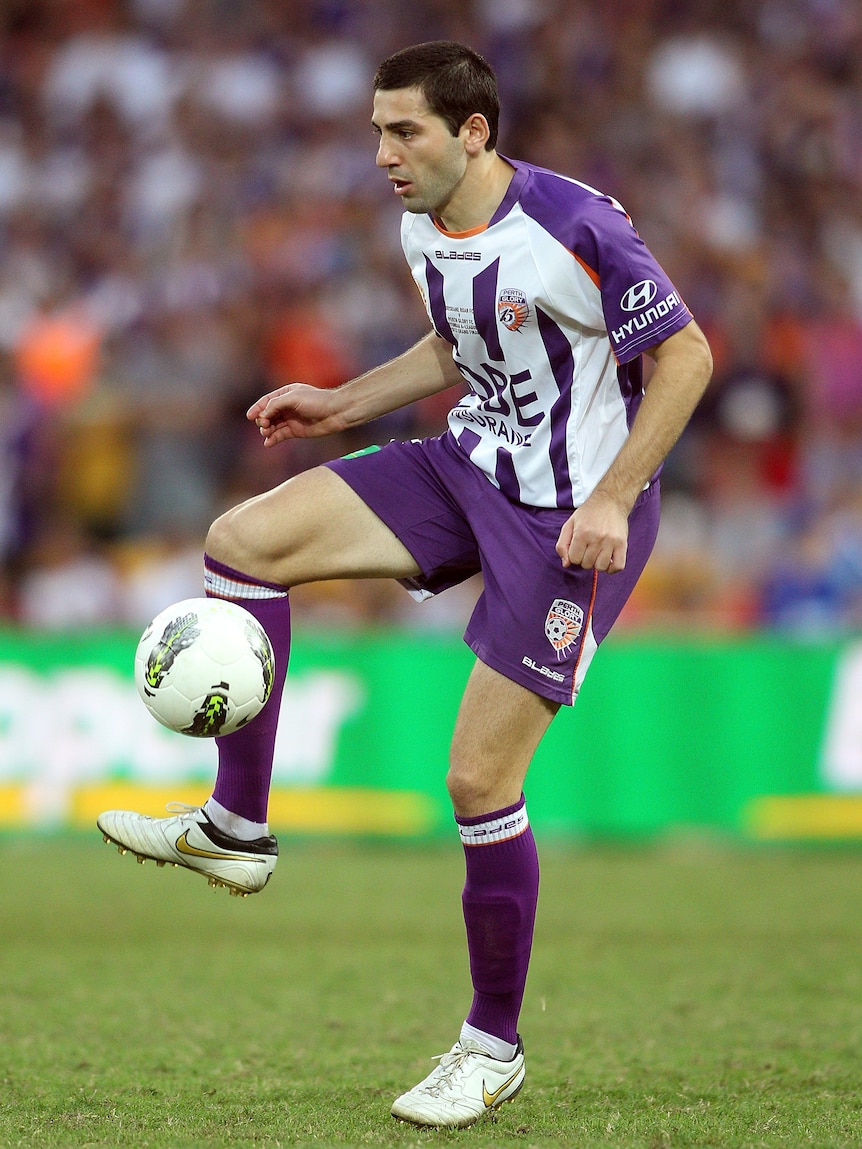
{"x": 681, "y": 995}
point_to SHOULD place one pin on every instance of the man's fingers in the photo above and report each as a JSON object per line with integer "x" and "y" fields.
{"x": 600, "y": 556}
{"x": 617, "y": 559}
{"x": 593, "y": 540}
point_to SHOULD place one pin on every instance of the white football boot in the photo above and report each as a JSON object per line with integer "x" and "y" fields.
{"x": 188, "y": 838}
{"x": 467, "y": 1084}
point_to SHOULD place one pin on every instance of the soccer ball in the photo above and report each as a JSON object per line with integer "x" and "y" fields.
{"x": 204, "y": 667}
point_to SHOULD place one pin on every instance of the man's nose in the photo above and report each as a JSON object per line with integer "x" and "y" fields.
{"x": 385, "y": 155}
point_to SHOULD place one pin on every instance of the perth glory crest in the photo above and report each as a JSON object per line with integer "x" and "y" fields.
{"x": 512, "y": 308}
{"x": 563, "y": 625}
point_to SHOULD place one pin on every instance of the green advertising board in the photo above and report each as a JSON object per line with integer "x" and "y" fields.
{"x": 754, "y": 737}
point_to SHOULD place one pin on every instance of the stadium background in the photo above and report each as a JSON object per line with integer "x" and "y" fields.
{"x": 190, "y": 215}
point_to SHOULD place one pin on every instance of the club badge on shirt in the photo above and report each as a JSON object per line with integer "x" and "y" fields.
{"x": 512, "y": 308}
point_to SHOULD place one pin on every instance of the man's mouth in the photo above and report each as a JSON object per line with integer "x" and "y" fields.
{"x": 401, "y": 186}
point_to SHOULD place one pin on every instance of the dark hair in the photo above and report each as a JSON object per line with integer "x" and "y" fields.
{"x": 455, "y": 81}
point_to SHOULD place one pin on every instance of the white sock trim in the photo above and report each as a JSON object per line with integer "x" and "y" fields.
{"x": 234, "y": 824}
{"x": 220, "y": 586}
{"x": 495, "y": 829}
{"x": 501, "y": 1050}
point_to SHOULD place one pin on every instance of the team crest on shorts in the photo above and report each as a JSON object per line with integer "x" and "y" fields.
{"x": 563, "y": 625}
{"x": 512, "y": 308}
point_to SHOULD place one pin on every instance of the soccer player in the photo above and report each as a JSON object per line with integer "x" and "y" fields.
{"x": 542, "y": 299}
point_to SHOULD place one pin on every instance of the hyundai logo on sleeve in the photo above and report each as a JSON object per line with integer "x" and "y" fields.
{"x": 639, "y": 296}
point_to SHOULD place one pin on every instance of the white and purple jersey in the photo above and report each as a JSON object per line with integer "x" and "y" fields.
{"x": 547, "y": 309}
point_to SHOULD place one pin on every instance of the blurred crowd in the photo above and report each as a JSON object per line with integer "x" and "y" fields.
{"x": 190, "y": 216}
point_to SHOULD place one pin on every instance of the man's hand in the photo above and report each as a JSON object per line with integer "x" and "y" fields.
{"x": 596, "y": 535}
{"x": 297, "y": 411}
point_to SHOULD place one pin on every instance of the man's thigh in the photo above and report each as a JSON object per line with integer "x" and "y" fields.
{"x": 312, "y": 527}
{"x": 421, "y": 489}
{"x": 500, "y": 724}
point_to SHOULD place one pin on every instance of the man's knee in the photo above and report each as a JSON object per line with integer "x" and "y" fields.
{"x": 232, "y": 540}
{"x": 461, "y": 787}
{"x": 219, "y": 537}
{"x": 476, "y": 787}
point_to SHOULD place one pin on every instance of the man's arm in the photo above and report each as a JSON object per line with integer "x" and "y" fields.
{"x": 299, "y": 411}
{"x": 596, "y": 535}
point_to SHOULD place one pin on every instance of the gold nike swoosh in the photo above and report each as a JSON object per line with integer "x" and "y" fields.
{"x": 490, "y": 1098}
{"x": 184, "y": 846}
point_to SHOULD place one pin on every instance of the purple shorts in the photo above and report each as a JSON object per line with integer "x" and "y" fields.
{"x": 536, "y": 622}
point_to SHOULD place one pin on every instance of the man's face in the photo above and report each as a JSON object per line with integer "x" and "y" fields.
{"x": 425, "y": 162}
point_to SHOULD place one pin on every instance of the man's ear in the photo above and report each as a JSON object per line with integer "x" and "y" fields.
{"x": 475, "y": 133}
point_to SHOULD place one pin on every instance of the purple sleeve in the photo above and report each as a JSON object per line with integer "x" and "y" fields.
{"x": 640, "y": 304}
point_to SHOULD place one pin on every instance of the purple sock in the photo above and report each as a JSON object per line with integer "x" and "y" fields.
{"x": 499, "y": 899}
{"x": 245, "y": 757}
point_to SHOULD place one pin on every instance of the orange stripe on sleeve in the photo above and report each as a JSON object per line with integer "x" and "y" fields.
{"x": 594, "y": 275}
